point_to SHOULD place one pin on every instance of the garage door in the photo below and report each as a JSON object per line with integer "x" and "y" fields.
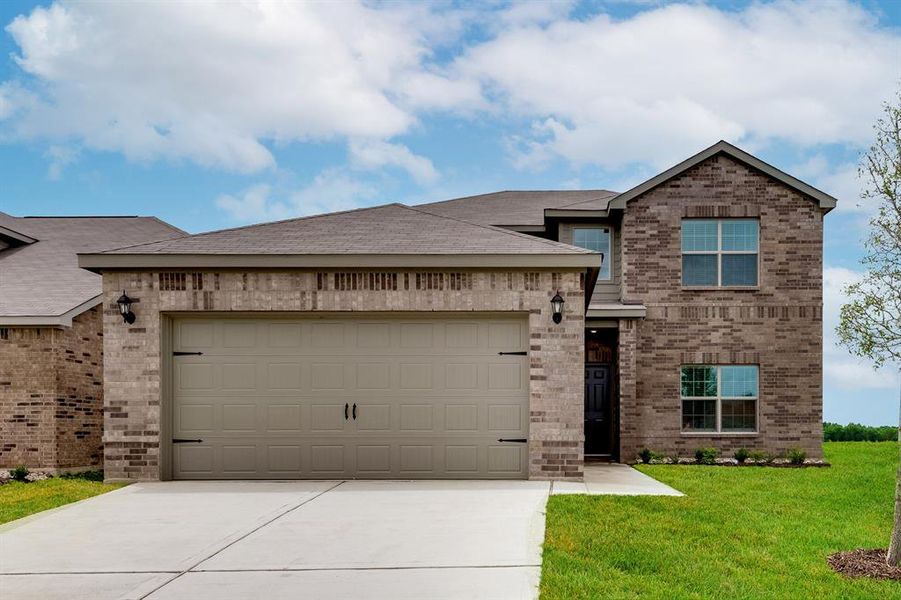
{"x": 350, "y": 398}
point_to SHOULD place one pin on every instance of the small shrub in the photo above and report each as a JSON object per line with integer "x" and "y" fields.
{"x": 96, "y": 475}
{"x": 706, "y": 456}
{"x": 796, "y": 456}
{"x": 758, "y": 456}
{"x": 741, "y": 455}
{"x": 19, "y": 473}
{"x": 645, "y": 455}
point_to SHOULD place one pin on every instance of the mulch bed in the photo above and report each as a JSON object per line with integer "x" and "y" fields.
{"x": 863, "y": 562}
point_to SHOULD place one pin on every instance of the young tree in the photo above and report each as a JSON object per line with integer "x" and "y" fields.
{"x": 871, "y": 321}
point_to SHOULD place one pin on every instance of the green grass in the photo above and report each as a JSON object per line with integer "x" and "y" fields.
{"x": 738, "y": 533}
{"x": 19, "y": 500}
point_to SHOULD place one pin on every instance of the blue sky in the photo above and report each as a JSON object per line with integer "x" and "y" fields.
{"x": 214, "y": 115}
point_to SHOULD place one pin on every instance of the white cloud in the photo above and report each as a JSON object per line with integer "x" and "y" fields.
{"x": 220, "y": 83}
{"x": 329, "y": 191}
{"x": 667, "y": 82}
{"x": 213, "y": 83}
{"x": 373, "y": 154}
{"x": 60, "y": 157}
{"x": 841, "y": 370}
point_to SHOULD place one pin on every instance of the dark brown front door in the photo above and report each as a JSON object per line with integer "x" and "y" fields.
{"x": 599, "y": 417}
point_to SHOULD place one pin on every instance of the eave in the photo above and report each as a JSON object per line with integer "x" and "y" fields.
{"x": 62, "y": 320}
{"x": 98, "y": 262}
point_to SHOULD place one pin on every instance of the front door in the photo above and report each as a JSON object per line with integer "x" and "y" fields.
{"x": 599, "y": 418}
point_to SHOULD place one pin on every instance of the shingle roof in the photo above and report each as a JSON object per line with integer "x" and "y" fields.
{"x": 387, "y": 229}
{"x": 389, "y": 236}
{"x": 511, "y": 208}
{"x": 42, "y": 279}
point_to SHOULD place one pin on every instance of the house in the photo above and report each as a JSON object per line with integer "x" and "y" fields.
{"x": 51, "y": 337}
{"x": 430, "y": 341}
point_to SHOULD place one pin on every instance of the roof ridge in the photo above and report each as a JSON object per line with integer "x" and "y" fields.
{"x": 608, "y": 198}
{"x": 253, "y": 225}
{"x": 518, "y": 234}
{"x": 510, "y": 192}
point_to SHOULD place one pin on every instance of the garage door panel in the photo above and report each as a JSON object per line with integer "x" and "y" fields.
{"x": 284, "y": 375}
{"x": 374, "y": 417}
{"x": 328, "y": 417}
{"x": 239, "y": 334}
{"x": 283, "y": 418}
{"x": 432, "y": 398}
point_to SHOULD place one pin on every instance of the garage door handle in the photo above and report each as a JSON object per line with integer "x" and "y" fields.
{"x": 185, "y": 441}
{"x": 346, "y": 406}
{"x": 519, "y": 440}
{"x": 355, "y": 411}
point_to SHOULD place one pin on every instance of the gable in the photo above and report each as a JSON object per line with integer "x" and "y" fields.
{"x": 722, "y": 148}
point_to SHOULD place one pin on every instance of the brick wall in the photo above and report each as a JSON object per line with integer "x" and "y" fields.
{"x": 132, "y": 383}
{"x": 51, "y": 395}
{"x": 778, "y": 326}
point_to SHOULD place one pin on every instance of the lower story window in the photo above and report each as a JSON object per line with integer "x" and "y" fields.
{"x": 719, "y": 399}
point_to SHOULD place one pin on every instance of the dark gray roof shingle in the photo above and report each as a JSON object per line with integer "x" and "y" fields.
{"x": 511, "y": 208}
{"x": 43, "y": 278}
{"x": 388, "y": 229}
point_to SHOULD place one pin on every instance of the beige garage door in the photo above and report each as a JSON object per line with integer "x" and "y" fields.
{"x": 330, "y": 398}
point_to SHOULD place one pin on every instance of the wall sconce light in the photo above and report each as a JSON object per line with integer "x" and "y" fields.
{"x": 124, "y": 303}
{"x": 557, "y": 305}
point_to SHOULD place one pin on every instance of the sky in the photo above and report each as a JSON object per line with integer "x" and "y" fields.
{"x": 210, "y": 115}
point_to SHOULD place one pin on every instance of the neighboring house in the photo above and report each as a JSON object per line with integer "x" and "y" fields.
{"x": 421, "y": 342}
{"x": 51, "y": 337}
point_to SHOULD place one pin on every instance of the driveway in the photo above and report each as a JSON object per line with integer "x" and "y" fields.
{"x": 323, "y": 540}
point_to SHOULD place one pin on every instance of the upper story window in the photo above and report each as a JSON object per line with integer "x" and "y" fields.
{"x": 599, "y": 239}
{"x": 720, "y": 252}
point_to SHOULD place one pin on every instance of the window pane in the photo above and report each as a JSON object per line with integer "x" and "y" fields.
{"x": 597, "y": 239}
{"x": 698, "y": 236}
{"x": 699, "y": 415}
{"x": 698, "y": 381}
{"x": 739, "y": 415}
{"x": 739, "y": 382}
{"x": 740, "y": 235}
{"x": 699, "y": 269}
{"x": 739, "y": 269}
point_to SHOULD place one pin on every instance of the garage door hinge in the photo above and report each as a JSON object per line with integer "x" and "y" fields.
{"x": 520, "y": 440}
{"x": 185, "y": 441}
{"x": 187, "y": 354}
{"x": 521, "y": 353}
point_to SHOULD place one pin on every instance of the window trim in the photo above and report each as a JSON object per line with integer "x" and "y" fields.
{"x": 608, "y": 258}
{"x": 719, "y": 252}
{"x": 718, "y": 399}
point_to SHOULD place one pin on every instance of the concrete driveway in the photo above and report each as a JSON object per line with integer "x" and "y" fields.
{"x": 323, "y": 540}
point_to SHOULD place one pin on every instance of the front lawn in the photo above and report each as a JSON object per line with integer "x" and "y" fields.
{"x": 750, "y": 532}
{"x": 19, "y": 500}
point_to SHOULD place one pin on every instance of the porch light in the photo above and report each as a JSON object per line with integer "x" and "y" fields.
{"x": 557, "y": 305}
{"x": 124, "y": 303}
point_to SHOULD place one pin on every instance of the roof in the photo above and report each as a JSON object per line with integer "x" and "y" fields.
{"x": 824, "y": 200}
{"x": 40, "y": 281}
{"x": 519, "y": 208}
{"x": 392, "y": 235}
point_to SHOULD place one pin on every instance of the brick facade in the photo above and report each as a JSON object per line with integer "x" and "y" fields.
{"x": 777, "y": 326}
{"x": 133, "y": 378}
{"x": 51, "y": 395}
